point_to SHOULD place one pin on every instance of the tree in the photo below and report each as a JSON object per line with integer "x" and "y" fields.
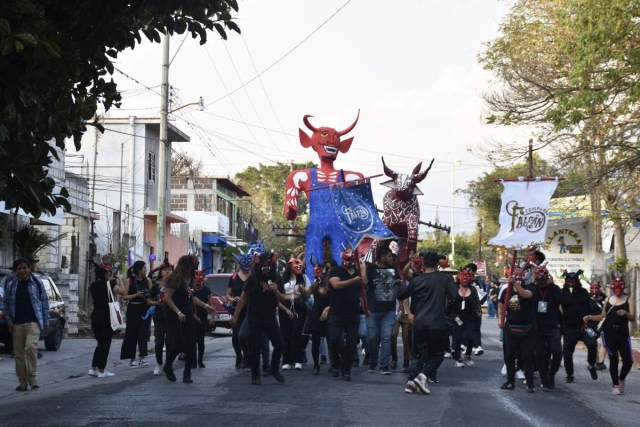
{"x": 55, "y": 59}
{"x": 182, "y": 164}
{"x": 267, "y": 186}
{"x": 466, "y": 247}
{"x": 29, "y": 240}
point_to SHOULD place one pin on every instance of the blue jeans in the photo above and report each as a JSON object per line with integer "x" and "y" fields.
{"x": 379, "y": 328}
{"x": 491, "y": 309}
{"x": 364, "y": 338}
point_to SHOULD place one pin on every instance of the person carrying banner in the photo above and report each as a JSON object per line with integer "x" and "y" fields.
{"x": 519, "y": 331}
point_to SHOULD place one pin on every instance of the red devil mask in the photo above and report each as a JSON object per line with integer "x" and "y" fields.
{"x": 317, "y": 273}
{"x": 348, "y": 258}
{"x": 465, "y": 277}
{"x": 617, "y": 286}
{"x": 444, "y": 263}
{"x": 418, "y": 265}
{"x": 295, "y": 265}
{"x": 595, "y": 288}
{"x": 199, "y": 278}
{"x": 541, "y": 276}
{"x": 326, "y": 141}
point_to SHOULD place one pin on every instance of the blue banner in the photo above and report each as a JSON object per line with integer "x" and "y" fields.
{"x": 357, "y": 214}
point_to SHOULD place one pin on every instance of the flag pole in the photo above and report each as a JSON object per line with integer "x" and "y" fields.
{"x": 508, "y": 290}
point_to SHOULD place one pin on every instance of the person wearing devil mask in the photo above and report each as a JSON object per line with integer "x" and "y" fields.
{"x": 234, "y": 291}
{"x": 619, "y": 309}
{"x": 203, "y": 293}
{"x": 344, "y": 313}
{"x": 317, "y": 319}
{"x": 548, "y": 350}
{"x": 598, "y": 298}
{"x": 575, "y": 306}
{"x": 156, "y": 299}
{"x": 295, "y": 284}
{"x": 263, "y": 292}
{"x": 466, "y": 309}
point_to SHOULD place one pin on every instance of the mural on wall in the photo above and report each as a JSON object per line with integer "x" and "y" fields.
{"x": 567, "y": 248}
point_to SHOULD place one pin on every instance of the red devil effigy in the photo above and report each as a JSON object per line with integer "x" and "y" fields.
{"x": 401, "y": 208}
{"x": 323, "y": 223}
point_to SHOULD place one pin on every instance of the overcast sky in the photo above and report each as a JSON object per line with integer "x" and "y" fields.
{"x": 411, "y": 70}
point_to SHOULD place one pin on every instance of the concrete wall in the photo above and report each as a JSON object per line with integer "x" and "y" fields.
{"x": 176, "y": 245}
{"x": 68, "y": 287}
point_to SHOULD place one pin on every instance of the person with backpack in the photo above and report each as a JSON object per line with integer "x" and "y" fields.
{"x": 26, "y": 308}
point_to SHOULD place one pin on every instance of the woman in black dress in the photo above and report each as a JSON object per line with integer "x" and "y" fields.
{"x": 156, "y": 299}
{"x": 234, "y": 291}
{"x": 102, "y": 292}
{"x": 136, "y": 291}
{"x": 295, "y": 285}
{"x": 180, "y": 317}
{"x": 317, "y": 319}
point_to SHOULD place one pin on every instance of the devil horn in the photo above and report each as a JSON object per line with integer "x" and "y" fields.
{"x": 240, "y": 250}
{"x": 387, "y": 171}
{"x": 350, "y": 128}
{"x": 305, "y": 119}
{"x": 423, "y": 175}
{"x": 417, "y": 169}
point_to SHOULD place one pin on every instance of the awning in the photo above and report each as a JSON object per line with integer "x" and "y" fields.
{"x": 214, "y": 240}
{"x": 171, "y": 218}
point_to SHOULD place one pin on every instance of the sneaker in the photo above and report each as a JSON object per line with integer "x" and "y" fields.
{"x": 616, "y": 390}
{"x": 410, "y": 387}
{"x": 421, "y": 383}
{"x": 520, "y": 375}
{"x": 458, "y": 364}
{"x": 468, "y": 361}
{"x": 447, "y": 355}
{"x": 593, "y": 371}
{"x": 105, "y": 374}
{"x": 432, "y": 379}
{"x": 504, "y": 370}
{"x": 133, "y": 364}
{"x": 384, "y": 370}
{"x": 506, "y": 386}
{"x": 405, "y": 367}
{"x": 186, "y": 378}
{"x": 157, "y": 370}
{"x": 316, "y": 370}
{"x": 323, "y": 360}
{"x": 34, "y": 385}
{"x": 276, "y": 375}
{"x": 256, "y": 381}
{"x": 394, "y": 364}
{"x": 286, "y": 367}
{"x": 346, "y": 377}
{"x": 570, "y": 379}
{"x": 335, "y": 373}
{"x": 372, "y": 368}
{"x": 298, "y": 367}
{"x": 478, "y": 351}
{"x": 144, "y": 362}
{"x": 601, "y": 366}
{"x": 530, "y": 390}
{"x": 621, "y": 386}
{"x": 93, "y": 373}
{"x": 245, "y": 366}
{"x": 544, "y": 387}
{"x": 201, "y": 365}
{"x": 364, "y": 352}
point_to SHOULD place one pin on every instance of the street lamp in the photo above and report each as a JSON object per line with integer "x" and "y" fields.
{"x": 200, "y": 104}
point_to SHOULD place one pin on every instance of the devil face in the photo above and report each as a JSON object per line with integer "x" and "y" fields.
{"x": 317, "y": 272}
{"x": 244, "y": 261}
{"x": 595, "y": 289}
{"x": 199, "y": 278}
{"x": 465, "y": 277}
{"x": 267, "y": 262}
{"x": 326, "y": 141}
{"x": 296, "y": 266}
{"x": 541, "y": 276}
{"x": 617, "y": 286}
{"x": 348, "y": 258}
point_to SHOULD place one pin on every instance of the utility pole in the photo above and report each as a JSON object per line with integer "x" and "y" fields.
{"x": 163, "y": 144}
{"x": 480, "y": 239}
{"x": 95, "y": 160}
{"x": 453, "y": 212}
{"x": 530, "y": 158}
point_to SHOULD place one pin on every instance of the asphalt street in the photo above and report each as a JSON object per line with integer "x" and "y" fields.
{"x": 221, "y": 395}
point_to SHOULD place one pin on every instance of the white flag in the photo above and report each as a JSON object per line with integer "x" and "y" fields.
{"x": 523, "y": 214}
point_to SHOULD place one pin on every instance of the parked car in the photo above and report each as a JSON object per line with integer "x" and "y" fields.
{"x": 218, "y": 284}
{"x": 57, "y": 314}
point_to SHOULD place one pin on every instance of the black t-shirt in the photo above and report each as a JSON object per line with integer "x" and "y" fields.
{"x": 182, "y": 299}
{"x": 520, "y": 311}
{"x": 100, "y": 297}
{"x": 157, "y": 294}
{"x": 236, "y": 284}
{"x": 24, "y": 306}
{"x": 344, "y": 302}
{"x": 470, "y": 302}
{"x": 262, "y": 301}
{"x": 382, "y": 288}
{"x": 203, "y": 295}
{"x": 547, "y": 302}
{"x": 136, "y": 286}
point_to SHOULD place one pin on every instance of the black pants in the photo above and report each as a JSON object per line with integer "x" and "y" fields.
{"x": 465, "y": 331}
{"x": 183, "y": 337}
{"x": 427, "y": 352}
{"x": 135, "y": 332}
{"x": 235, "y": 340}
{"x": 244, "y": 335}
{"x": 292, "y": 336}
{"x": 201, "y": 332}
{"x": 571, "y": 338}
{"x": 162, "y": 338}
{"x": 449, "y": 336}
{"x": 477, "y": 326}
{"x": 103, "y": 333}
{"x": 337, "y": 325}
{"x": 257, "y": 330}
{"x": 524, "y": 345}
{"x": 617, "y": 342}
{"x": 548, "y": 353}
{"x": 316, "y": 337}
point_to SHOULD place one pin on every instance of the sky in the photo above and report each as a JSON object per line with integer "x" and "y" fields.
{"x": 412, "y": 72}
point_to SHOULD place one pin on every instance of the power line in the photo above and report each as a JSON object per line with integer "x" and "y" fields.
{"x": 283, "y": 56}
{"x": 135, "y": 80}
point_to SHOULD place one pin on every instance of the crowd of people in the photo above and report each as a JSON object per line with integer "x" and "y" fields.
{"x": 348, "y": 302}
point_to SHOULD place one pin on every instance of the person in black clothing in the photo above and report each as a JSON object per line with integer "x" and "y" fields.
{"x": 234, "y": 291}
{"x": 202, "y": 293}
{"x": 263, "y": 292}
{"x": 598, "y": 298}
{"x": 619, "y": 309}
{"x": 519, "y": 330}
{"x": 428, "y": 292}
{"x": 548, "y": 349}
{"x": 136, "y": 289}
{"x": 294, "y": 284}
{"x": 156, "y": 299}
{"x": 466, "y": 309}
{"x": 317, "y": 319}
{"x": 179, "y": 315}
{"x": 481, "y": 290}
{"x": 575, "y": 306}
{"x": 344, "y": 313}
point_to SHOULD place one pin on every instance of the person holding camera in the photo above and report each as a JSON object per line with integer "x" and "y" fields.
{"x": 156, "y": 299}
{"x": 136, "y": 292}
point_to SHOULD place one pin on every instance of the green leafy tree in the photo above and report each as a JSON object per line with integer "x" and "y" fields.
{"x": 29, "y": 240}
{"x": 267, "y": 186}
{"x": 466, "y": 247}
{"x": 55, "y": 61}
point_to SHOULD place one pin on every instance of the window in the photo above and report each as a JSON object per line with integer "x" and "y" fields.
{"x": 151, "y": 167}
